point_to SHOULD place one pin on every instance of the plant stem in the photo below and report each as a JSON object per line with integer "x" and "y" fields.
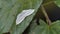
{"x": 48, "y": 3}
{"x": 46, "y": 15}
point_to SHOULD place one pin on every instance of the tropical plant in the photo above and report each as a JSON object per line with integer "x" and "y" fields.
{"x": 44, "y": 20}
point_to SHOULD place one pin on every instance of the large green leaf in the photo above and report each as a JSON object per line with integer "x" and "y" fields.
{"x": 57, "y": 2}
{"x": 9, "y": 10}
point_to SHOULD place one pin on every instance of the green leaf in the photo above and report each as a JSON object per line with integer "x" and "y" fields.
{"x": 37, "y": 29}
{"x": 56, "y": 27}
{"x": 57, "y": 2}
{"x": 43, "y": 28}
{"x": 9, "y": 10}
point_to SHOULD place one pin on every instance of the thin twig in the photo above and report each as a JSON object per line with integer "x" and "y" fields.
{"x": 46, "y": 16}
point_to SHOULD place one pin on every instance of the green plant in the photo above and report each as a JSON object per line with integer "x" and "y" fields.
{"x": 9, "y": 9}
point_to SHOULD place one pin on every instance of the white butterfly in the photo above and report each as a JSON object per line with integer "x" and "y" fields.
{"x": 23, "y": 14}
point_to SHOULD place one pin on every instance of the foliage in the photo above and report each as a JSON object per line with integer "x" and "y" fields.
{"x": 9, "y": 9}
